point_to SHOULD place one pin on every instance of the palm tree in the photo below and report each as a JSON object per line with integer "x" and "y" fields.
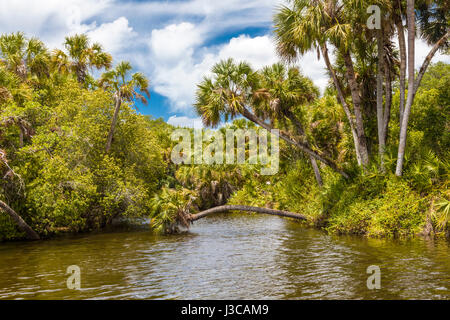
{"x": 25, "y": 57}
{"x": 124, "y": 89}
{"x": 213, "y": 184}
{"x": 231, "y": 92}
{"x": 171, "y": 208}
{"x": 305, "y": 25}
{"x": 81, "y": 57}
{"x": 282, "y": 90}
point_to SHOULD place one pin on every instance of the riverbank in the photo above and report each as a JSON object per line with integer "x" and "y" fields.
{"x": 371, "y": 206}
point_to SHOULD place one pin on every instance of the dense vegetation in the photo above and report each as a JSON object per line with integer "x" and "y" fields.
{"x": 55, "y": 119}
{"x": 75, "y": 154}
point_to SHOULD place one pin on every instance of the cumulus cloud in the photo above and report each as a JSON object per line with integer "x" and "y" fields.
{"x": 258, "y": 51}
{"x": 51, "y": 20}
{"x": 114, "y": 36}
{"x": 174, "y": 42}
{"x": 180, "y": 62}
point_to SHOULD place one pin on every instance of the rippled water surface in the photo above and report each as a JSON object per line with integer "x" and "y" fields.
{"x": 226, "y": 257}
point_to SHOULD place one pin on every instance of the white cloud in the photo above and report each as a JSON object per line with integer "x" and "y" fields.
{"x": 186, "y": 122}
{"x": 180, "y": 62}
{"x": 175, "y": 42}
{"x": 258, "y": 51}
{"x": 114, "y": 36}
{"x": 168, "y": 40}
{"x": 51, "y": 20}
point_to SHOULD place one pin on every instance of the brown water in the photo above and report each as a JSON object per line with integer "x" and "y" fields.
{"x": 226, "y": 257}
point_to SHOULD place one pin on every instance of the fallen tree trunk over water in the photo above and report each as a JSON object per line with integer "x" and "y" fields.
{"x": 222, "y": 209}
{"x": 23, "y": 226}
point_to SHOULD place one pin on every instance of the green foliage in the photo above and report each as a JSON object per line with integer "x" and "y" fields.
{"x": 55, "y": 118}
{"x": 169, "y": 209}
{"x": 57, "y": 176}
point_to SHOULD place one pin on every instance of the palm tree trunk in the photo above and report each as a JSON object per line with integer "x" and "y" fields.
{"x": 411, "y": 82}
{"x": 250, "y": 116}
{"x": 402, "y": 45}
{"x": 427, "y": 61}
{"x": 354, "y": 89}
{"x": 316, "y": 169}
{"x": 23, "y": 226}
{"x": 222, "y": 209}
{"x": 343, "y": 102}
{"x": 380, "y": 113}
{"x": 113, "y": 123}
{"x": 388, "y": 103}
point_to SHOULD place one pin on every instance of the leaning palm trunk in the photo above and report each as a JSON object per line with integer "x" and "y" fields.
{"x": 354, "y": 89}
{"x": 222, "y": 209}
{"x": 316, "y": 169}
{"x": 380, "y": 115}
{"x": 427, "y": 61}
{"x": 343, "y": 102}
{"x": 113, "y": 123}
{"x": 23, "y": 226}
{"x": 250, "y": 116}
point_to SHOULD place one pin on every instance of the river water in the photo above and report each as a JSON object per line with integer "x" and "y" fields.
{"x": 237, "y": 256}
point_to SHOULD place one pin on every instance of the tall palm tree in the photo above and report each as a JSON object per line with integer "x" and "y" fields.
{"x": 232, "y": 92}
{"x": 282, "y": 90}
{"x": 80, "y": 57}
{"x": 304, "y": 25}
{"x": 124, "y": 88}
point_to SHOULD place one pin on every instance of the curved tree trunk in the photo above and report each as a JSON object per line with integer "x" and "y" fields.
{"x": 23, "y": 226}
{"x": 222, "y": 209}
{"x": 113, "y": 125}
{"x": 427, "y": 60}
{"x": 253, "y": 118}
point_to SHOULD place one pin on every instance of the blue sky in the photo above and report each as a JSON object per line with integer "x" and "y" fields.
{"x": 175, "y": 43}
